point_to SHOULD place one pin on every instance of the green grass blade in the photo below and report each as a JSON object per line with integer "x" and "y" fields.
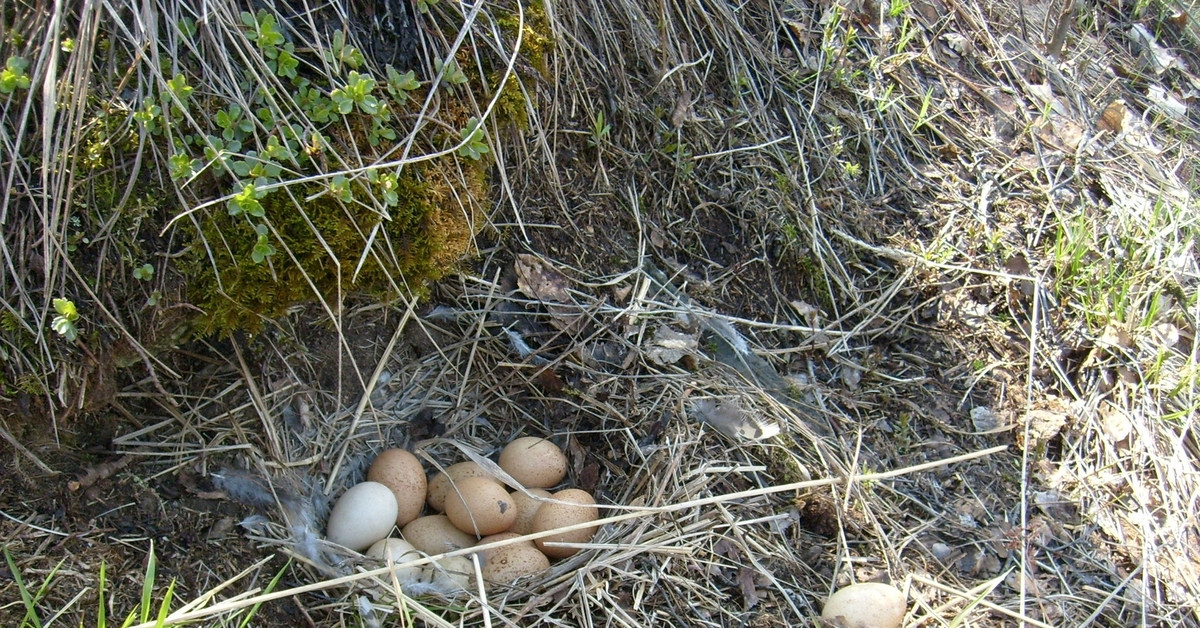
{"x": 148, "y": 584}
{"x": 30, "y": 608}
{"x": 270, "y": 587}
{"x": 165, "y": 607}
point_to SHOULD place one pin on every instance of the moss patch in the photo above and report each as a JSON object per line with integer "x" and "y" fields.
{"x": 321, "y": 241}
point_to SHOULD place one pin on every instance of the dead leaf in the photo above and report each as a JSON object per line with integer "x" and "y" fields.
{"x": 731, "y": 420}
{"x": 668, "y": 346}
{"x": 1158, "y": 58}
{"x": 1114, "y": 117}
{"x": 810, "y": 314}
{"x": 1115, "y": 336}
{"x": 1056, "y": 506}
{"x": 746, "y": 584}
{"x": 957, "y": 44}
{"x": 1116, "y": 424}
{"x": 1045, "y": 424}
{"x": 851, "y": 375}
{"x": 984, "y": 419}
{"x": 537, "y": 279}
{"x": 1166, "y": 102}
{"x": 1165, "y": 335}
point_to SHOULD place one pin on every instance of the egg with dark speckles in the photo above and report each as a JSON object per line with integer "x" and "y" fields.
{"x": 480, "y": 506}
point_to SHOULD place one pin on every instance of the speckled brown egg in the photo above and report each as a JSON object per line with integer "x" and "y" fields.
{"x": 435, "y": 535}
{"x": 400, "y": 471}
{"x": 580, "y": 509}
{"x": 480, "y": 506}
{"x": 514, "y": 561}
{"x": 534, "y": 462}
{"x": 527, "y": 507}
{"x": 440, "y": 484}
{"x": 503, "y": 536}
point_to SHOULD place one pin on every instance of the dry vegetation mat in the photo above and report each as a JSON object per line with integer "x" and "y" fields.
{"x": 810, "y": 293}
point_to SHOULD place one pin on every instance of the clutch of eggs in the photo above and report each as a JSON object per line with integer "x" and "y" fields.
{"x": 475, "y": 505}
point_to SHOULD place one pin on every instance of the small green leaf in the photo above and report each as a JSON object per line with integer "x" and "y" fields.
{"x": 145, "y": 272}
{"x": 66, "y": 309}
{"x": 13, "y": 76}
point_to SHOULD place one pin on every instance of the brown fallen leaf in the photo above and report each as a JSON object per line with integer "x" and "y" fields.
{"x": 537, "y": 279}
{"x": 1113, "y": 118}
{"x": 668, "y": 346}
{"x": 746, "y": 582}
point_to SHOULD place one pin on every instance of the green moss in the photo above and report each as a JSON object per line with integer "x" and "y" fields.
{"x": 420, "y": 240}
{"x": 537, "y": 39}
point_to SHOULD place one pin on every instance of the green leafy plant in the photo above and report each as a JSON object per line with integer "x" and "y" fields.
{"x": 399, "y": 85}
{"x": 424, "y": 5}
{"x": 341, "y": 53}
{"x": 600, "y": 130}
{"x": 64, "y": 323}
{"x": 145, "y": 272}
{"x": 263, "y": 29}
{"x": 356, "y": 93}
{"x": 246, "y": 201}
{"x": 450, "y": 71}
{"x": 262, "y": 248}
{"x": 473, "y": 144}
{"x": 234, "y": 126}
{"x": 13, "y": 77}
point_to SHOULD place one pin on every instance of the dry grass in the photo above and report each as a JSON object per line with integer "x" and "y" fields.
{"x": 966, "y": 281}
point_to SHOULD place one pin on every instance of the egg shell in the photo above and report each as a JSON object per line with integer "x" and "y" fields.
{"x": 400, "y": 471}
{"x": 400, "y": 551}
{"x": 551, "y": 515}
{"x": 503, "y": 536}
{"x": 534, "y": 462}
{"x": 439, "y": 486}
{"x": 866, "y": 605}
{"x": 527, "y": 507}
{"x": 480, "y": 506}
{"x": 453, "y": 573}
{"x": 514, "y": 562}
{"x": 434, "y": 534}
{"x": 362, "y": 515}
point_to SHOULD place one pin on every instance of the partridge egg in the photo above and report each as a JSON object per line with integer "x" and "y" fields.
{"x": 534, "y": 462}
{"x": 580, "y": 509}
{"x": 400, "y": 471}
{"x": 866, "y": 605}
{"x": 480, "y": 506}
{"x": 527, "y": 507}
{"x": 503, "y": 536}
{"x": 435, "y": 535}
{"x": 398, "y": 551}
{"x": 362, "y": 515}
{"x": 512, "y": 562}
{"x": 440, "y": 484}
{"x": 453, "y": 573}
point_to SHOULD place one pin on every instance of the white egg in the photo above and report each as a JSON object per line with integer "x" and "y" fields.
{"x": 399, "y": 551}
{"x": 453, "y": 574}
{"x": 866, "y": 605}
{"x": 362, "y": 515}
